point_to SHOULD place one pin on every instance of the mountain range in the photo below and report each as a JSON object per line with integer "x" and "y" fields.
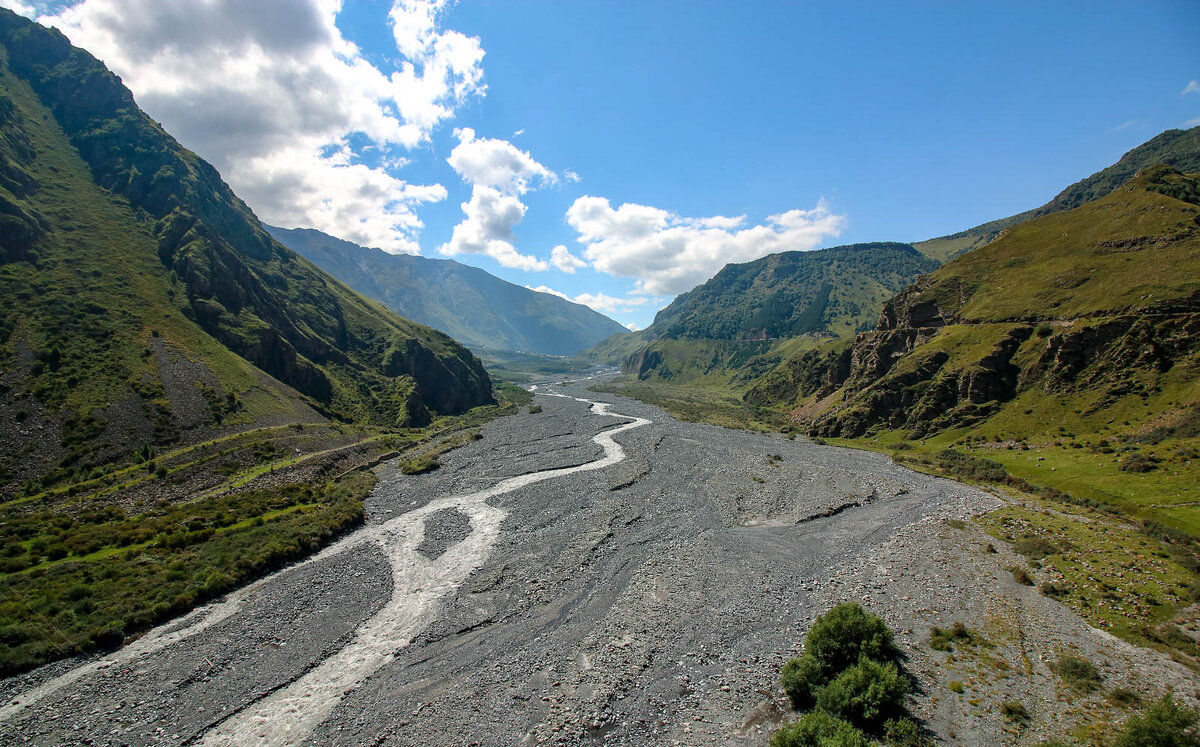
{"x": 471, "y": 305}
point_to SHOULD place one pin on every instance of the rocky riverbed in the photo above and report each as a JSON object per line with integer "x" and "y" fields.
{"x": 582, "y": 575}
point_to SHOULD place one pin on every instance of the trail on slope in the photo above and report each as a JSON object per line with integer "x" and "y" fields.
{"x": 287, "y": 715}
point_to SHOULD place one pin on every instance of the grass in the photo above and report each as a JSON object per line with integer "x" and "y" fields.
{"x": 80, "y": 572}
{"x": 121, "y": 574}
{"x": 719, "y": 405}
{"x": 958, "y": 634}
{"x": 1077, "y": 673}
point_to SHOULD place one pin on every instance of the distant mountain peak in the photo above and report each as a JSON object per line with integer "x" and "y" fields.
{"x": 465, "y": 302}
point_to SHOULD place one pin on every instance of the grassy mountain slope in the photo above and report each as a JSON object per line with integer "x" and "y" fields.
{"x": 1077, "y": 332}
{"x": 178, "y": 392}
{"x": 710, "y": 343}
{"x": 1179, "y": 149}
{"x": 467, "y": 303}
{"x": 750, "y": 316}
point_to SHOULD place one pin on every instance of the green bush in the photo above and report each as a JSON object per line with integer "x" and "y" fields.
{"x": 1014, "y": 711}
{"x": 837, "y": 640}
{"x": 866, "y": 694}
{"x": 802, "y": 678}
{"x": 819, "y": 729}
{"x": 419, "y": 465}
{"x": 845, "y": 634}
{"x": 1164, "y": 724}
{"x": 903, "y": 732}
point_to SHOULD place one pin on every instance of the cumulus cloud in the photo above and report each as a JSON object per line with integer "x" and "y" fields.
{"x": 498, "y": 172}
{"x": 496, "y": 163}
{"x": 633, "y": 327}
{"x": 487, "y": 229}
{"x": 668, "y": 254}
{"x": 1191, "y": 87}
{"x": 601, "y": 302}
{"x": 274, "y": 96}
{"x": 562, "y": 258}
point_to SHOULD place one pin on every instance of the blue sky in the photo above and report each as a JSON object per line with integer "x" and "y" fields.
{"x": 635, "y": 135}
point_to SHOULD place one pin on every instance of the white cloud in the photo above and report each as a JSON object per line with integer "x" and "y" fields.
{"x": 668, "y": 254}
{"x": 571, "y": 176}
{"x": 633, "y": 327}
{"x": 1191, "y": 87}
{"x": 498, "y": 172}
{"x": 519, "y": 132}
{"x": 562, "y": 258}
{"x": 1190, "y": 123}
{"x": 548, "y": 289}
{"x": 601, "y": 302}
{"x": 488, "y": 229}
{"x": 496, "y": 163}
{"x": 20, "y": 8}
{"x": 271, "y": 94}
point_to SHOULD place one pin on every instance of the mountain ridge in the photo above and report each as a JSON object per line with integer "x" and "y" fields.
{"x": 1179, "y": 149}
{"x": 468, "y": 303}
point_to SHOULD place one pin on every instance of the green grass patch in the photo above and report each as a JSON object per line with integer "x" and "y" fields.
{"x": 121, "y": 574}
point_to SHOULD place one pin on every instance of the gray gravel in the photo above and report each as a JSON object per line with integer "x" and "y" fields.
{"x": 651, "y": 602}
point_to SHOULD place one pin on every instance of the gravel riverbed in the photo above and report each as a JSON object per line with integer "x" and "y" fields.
{"x": 650, "y": 601}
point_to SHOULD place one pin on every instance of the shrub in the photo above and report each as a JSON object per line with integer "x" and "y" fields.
{"x": 801, "y": 678}
{"x": 955, "y": 687}
{"x": 866, "y": 694}
{"x": 943, "y": 639}
{"x": 1014, "y": 711}
{"x": 845, "y": 634}
{"x": 1124, "y": 696}
{"x": 1077, "y": 673}
{"x": 419, "y": 465}
{"x": 819, "y": 729}
{"x": 535, "y": 409}
{"x": 903, "y": 732}
{"x": 1034, "y": 547}
{"x": 1139, "y": 463}
{"x": 1164, "y": 724}
{"x": 1021, "y": 576}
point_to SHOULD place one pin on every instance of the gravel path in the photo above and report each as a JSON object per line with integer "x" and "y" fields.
{"x": 584, "y": 575}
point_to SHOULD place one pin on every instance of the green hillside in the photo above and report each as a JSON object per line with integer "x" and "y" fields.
{"x": 1077, "y": 333}
{"x": 176, "y": 388}
{"x": 1179, "y": 149}
{"x": 749, "y": 317}
{"x": 476, "y": 308}
{"x": 711, "y": 343}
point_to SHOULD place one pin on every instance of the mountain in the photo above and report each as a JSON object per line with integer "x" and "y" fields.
{"x": 748, "y": 315}
{"x": 479, "y": 309}
{"x": 1098, "y": 305}
{"x": 118, "y": 241}
{"x": 1179, "y": 149}
{"x": 183, "y": 400}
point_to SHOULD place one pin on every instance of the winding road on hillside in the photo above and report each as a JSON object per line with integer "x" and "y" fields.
{"x": 596, "y": 573}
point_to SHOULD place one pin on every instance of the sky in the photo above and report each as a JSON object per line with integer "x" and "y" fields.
{"x": 618, "y": 154}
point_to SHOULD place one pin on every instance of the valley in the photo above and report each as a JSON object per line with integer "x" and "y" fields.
{"x": 553, "y": 583}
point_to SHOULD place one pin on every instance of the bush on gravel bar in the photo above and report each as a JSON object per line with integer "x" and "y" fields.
{"x": 819, "y": 729}
{"x": 850, "y": 671}
{"x": 836, "y": 641}
{"x": 866, "y": 694}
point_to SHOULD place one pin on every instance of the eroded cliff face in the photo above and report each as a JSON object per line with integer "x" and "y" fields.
{"x": 918, "y": 373}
